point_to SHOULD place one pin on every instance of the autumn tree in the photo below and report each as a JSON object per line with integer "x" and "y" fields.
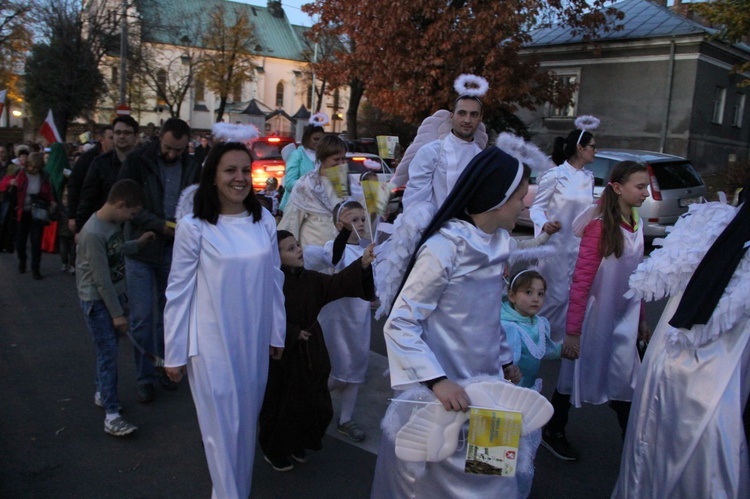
{"x": 317, "y": 48}
{"x": 733, "y": 19}
{"x": 15, "y": 42}
{"x": 408, "y": 58}
{"x": 62, "y": 71}
{"x": 229, "y": 40}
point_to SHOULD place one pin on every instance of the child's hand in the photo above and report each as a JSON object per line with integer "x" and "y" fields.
{"x": 120, "y": 324}
{"x": 276, "y": 352}
{"x": 571, "y": 346}
{"x": 345, "y": 220}
{"x": 452, "y": 396}
{"x": 368, "y": 256}
{"x": 513, "y": 374}
{"x": 175, "y": 373}
{"x": 551, "y": 227}
{"x": 304, "y": 335}
{"x": 145, "y": 238}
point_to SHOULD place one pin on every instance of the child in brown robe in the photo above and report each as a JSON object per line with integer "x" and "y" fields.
{"x": 297, "y": 405}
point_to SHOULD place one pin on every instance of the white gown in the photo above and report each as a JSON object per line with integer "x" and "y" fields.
{"x": 607, "y": 366}
{"x": 346, "y": 326}
{"x": 685, "y": 436}
{"x": 564, "y": 192}
{"x": 435, "y": 169}
{"x": 225, "y": 306}
{"x": 446, "y": 321}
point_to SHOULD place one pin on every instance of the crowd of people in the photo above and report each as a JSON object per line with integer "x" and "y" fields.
{"x": 264, "y": 301}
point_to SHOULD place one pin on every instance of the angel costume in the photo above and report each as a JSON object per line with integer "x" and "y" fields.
{"x": 309, "y": 213}
{"x": 564, "y": 192}
{"x": 686, "y": 437}
{"x": 346, "y": 325}
{"x": 431, "y": 332}
{"x": 225, "y": 307}
{"x": 608, "y": 363}
{"x": 436, "y": 167}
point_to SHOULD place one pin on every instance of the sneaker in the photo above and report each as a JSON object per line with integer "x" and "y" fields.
{"x": 64, "y": 267}
{"x": 72, "y": 270}
{"x": 558, "y": 445}
{"x": 352, "y": 430}
{"x": 167, "y": 383}
{"x": 119, "y": 427}
{"x": 279, "y": 463}
{"x": 300, "y": 456}
{"x": 145, "y": 393}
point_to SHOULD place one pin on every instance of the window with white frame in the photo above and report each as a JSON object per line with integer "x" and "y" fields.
{"x": 739, "y": 110}
{"x": 563, "y": 80}
{"x": 720, "y": 97}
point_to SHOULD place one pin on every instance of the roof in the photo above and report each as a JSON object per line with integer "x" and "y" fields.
{"x": 643, "y": 19}
{"x": 302, "y": 113}
{"x": 277, "y": 37}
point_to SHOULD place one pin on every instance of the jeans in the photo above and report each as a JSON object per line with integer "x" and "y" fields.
{"x": 67, "y": 250}
{"x": 147, "y": 287}
{"x": 103, "y": 333}
{"x": 28, "y": 229}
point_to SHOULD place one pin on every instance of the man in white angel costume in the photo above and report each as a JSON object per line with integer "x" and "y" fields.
{"x": 685, "y": 436}
{"x": 444, "y": 145}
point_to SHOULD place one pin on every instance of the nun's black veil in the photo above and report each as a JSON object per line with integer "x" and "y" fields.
{"x": 483, "y": 184}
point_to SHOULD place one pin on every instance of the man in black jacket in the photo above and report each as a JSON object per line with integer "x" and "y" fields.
{"x": 105, "y": 169}
{"x": 164, "y": 168}
{"x": 81, "y": 168}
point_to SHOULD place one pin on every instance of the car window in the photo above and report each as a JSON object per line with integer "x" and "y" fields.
{"x": 264, "y": 150}
{"x": 678, "y": 175}
{"x": 601, "y": 168}
{"x": 359, "y": 167}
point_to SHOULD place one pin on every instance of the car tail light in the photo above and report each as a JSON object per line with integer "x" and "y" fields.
{"x": 655, "y": 191}
{"x": 358, "y": 158}
{"x": 259, "y": 171}
{"x": 274, "y": 140}
{"x": 275, "y": 168}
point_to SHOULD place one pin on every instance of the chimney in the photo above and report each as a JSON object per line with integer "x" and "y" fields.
{"x": 682, "y": 9}
{"x": 275, "y": 9}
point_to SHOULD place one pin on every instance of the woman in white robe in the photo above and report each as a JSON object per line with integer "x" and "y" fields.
{"x": 563, "y": 193}
{"x": 444, "y": 326}
{"x": 686, "y": 435}
{"x": 225, "y": 313}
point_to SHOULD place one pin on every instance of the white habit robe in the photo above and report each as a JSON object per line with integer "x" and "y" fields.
{"x": 446, "y": 322}
{"x": 564, "y": 192}
{"x": 225, "y": 307}
{"x": 608, "y": 362}
{"x": 346, "y": 326}
{"x": 685, "y": 435}
{"x": 435, "y": 169}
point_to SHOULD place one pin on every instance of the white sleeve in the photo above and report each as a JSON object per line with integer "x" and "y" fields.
{"x": 545, "y": 190}
{"x": 421, "y": 172}
{"x": 180, "y": 292}
{"x": 278, "y": 314}
{"x": 409, "y": 357}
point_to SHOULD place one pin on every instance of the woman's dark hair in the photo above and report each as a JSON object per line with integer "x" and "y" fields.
{"x": 207, "y": 205}
{"x": 612, "y": 240}
{"x": 565, "y": 148}
{"x": 308, "y": 132}
{"x": 282, "y": 234}
{"x": 524, "y": 278}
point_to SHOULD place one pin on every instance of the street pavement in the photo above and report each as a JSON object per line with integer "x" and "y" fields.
{"x": 52, "y": 442}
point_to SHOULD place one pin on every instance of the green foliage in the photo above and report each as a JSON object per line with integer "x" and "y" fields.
{"x": 733, "y": 19}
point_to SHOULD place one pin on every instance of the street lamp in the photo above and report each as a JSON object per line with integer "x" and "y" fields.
{"x": 17, "y": 113}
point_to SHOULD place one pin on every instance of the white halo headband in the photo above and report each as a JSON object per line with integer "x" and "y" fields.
{"x": 319, "y": 119}
{"x": 586, "y": 123}
{"x": 471, "y": 85}
{"x": 510, "y": 286}
{"x": 230, "y": 132}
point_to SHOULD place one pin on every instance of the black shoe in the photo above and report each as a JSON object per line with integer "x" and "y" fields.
{"x": 21, "y": 267}
{"x": 279, "y": 463}
{"x": 36, "y": 275}
{"x": 300, "y": 456}
{"x": 558, "y": 445}
{"x": 167, "y": 383}
{"x": 145, "y": 393}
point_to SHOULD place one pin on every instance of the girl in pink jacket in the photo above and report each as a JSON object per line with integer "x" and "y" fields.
{"x": 603, "y": 327}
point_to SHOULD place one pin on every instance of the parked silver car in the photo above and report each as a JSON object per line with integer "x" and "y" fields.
{"x": 674, "y": 186}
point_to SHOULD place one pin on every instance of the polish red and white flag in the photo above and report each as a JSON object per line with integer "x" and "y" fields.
{"x": 49, "y": 130}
